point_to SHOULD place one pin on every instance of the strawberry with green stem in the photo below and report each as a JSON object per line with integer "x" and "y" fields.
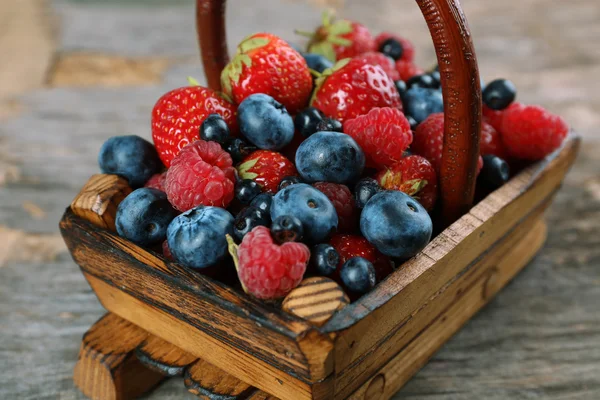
{"x": 267, "y": 168}
{"x": 339, "y": 39}
{"x": 264, "y": 63}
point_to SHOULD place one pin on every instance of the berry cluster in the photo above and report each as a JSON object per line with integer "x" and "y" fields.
{"x": 323, "y": 163}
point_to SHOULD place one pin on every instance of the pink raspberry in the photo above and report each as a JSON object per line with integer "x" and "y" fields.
{"x": 201, "y": 174}
{"x": 343, "y": 202}
{"x": 531, "y": 132}
{"x": 157, "y": 181}
{"x": 407, "y": 69}
{"x": 409, "y": 49}
{"x": 385, "y": 62}
{"x": 491, "y": 142}
{"x": 268, "y": 270}
{"x": 382, "y": 133}
{"x": 495, "y": 117}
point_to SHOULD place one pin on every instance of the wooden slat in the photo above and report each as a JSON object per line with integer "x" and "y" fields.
{"x": 209, "y": 382}
{"x": 363, "y": 368}
{"x": 163, "y": 357}
{"x": 368, "y": 321}
{"x": 389, "y": 379}
{"x": 98, "y": 200}
{"x": 316, "y": 299}
{"x": 107, "y": 368}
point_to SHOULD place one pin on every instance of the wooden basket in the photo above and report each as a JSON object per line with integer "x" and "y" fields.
{"x": 165, "y": 320}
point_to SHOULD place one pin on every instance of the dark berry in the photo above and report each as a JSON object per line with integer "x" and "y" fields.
{"x": 315, "y": 211}
{"x": 425, "y": 81}
{"x": 317, "y": 62}
{"x": 330, "y": 125}
{"x": 131, "y": 157}
{"x": 413, "y": 123}
{"x": 330, "y": 157}
{"x": 263, "y": 202}
{"x": 396, "y": 224}
{"x": 214, "y": 129}
{"x": 287, "y": 228}
{"x": 364, "y": 190}
{"x": 246, "y": 190}
{"x": 324, "y": 259}
{"x": 495, "y": 171}
{"x": 392, "y": 48}
{"x": 437, "y": 79}
{"x": 401, "y": 87}
{"x": 307, "y": 120}
{"x": 265, "y": 122}
{"x": 238, "y": 149}
{"x": 421, "y": 102}
{"x": 288, "y": 181}
{"x": 358, "y": 275}
{"x": 499, "y": 94}
{"x": 248, "y": 219}
{"x": 144, "y": 215}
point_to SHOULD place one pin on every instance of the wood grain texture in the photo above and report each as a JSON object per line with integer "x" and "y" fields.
{"x": 163, "y": 357}
{"x": 209, "y": 382}
{"x": 411, "y": 358}
{"x": 98, "y": 200}
{"x": 107, "y": 368}
{"x": 316, "y": 299}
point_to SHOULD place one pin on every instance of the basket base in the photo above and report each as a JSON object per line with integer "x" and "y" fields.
{"x": 119, "y": 360}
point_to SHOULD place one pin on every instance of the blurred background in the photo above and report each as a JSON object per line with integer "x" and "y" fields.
{"x": 75, "y": 72}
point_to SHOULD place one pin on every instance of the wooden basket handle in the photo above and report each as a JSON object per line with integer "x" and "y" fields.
{"x": 460, "y": 86}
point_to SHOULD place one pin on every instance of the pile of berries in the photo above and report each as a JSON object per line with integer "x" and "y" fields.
{"x": 318, "y": 163}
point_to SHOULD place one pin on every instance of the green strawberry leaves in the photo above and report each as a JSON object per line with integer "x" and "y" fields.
{"x": 243, "y": 169}
{"x": 416, "y": 185}
{"x": 232, "y": 247}
{"x": 233, "y": 71}
{"x": 324, "y": 48}
{"x": 252, "y": 44}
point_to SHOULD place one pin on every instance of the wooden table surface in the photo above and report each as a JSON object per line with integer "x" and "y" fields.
{"x": 73, "y": 73}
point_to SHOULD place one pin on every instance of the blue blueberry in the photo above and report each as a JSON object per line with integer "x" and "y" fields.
{"x": 288, "y": 181}
{"x": 424, "y": 81}
{"x": 246, "y": 190}
{"x": 287, "y": 228}
{"x": 495, "y": 172}
{"x": 420, "y": 102}
{"x": 144, "y": 215}
{"x": 317, "y": 62}
{"x": 306, "y": 121}
{"x": 238, "y": 149}
{"x": 131, "y": 157}
{"x": 310, "y": 206}
{"x": 214, "y": 129}
{"x": 248, "y": 219}
{"x": 364, "y": 190}
{"x": 330, "y": 157}
{"x": 499, "y": 94}
{"x": 396, "y": 224}
{"x": 392, "y": 48}
{"x": 358, "y": 275}
{"x": 197, "y": 237}
{"x": 324, "y": 259}
{"x": 401, "y": 88}
{"x": 263, "y": 202}
{"x": 437, "y": 79}
{"x": 265, "y": 122}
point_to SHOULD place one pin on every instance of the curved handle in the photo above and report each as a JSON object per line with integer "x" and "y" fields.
{"x": 460, "y": 86}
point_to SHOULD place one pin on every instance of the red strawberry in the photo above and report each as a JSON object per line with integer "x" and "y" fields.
{"x": 267, "y": 64}
{"x": 531, "y": 132}
{"x": 343, "y": 202}
{"x": 409, "y": 48}
{"x": 385, "y": 62}
{"x": 352, "y": 88}
{"x": 407, "y": 69}
{"x": 413, "y": 175}
{"x": 491, "y": 142}
{"x": 383, "y": 134}
{"x": 267, "y": 168}
{"x": 341, "y": 39}
{"x": 349, "y": 246}
{"x": 429, "y": 141}
{"x": 177, "y": 116}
